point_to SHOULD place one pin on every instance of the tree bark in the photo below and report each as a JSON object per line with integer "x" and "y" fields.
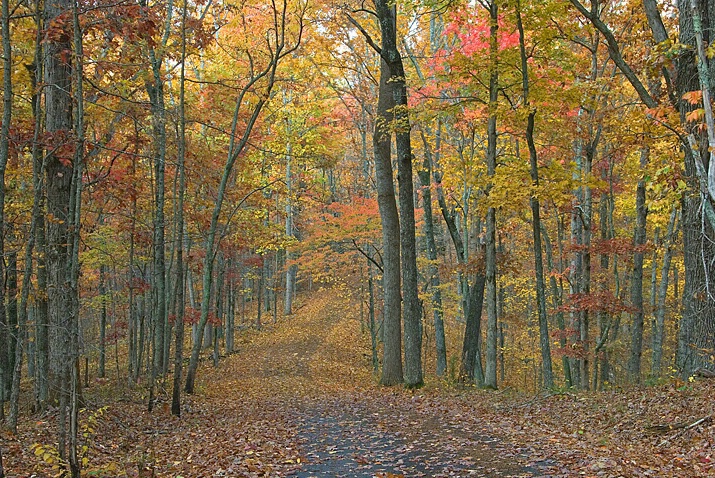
{"x": 639, "y": 240}
{"x": 660, "y": 311}
{"x": 696, "y": 334}
{"x": 392, "y": 372}
{"x": 38, "y": 169}
{"x": 438, "y": 312}
{"x": 180, "y": 286}
{"x": 544, "y": 339}
{"x": 491, "y": 252}
{"x": 59, "y": 176}
{"x": 5, "y": 369}
{"x": 396, "y": 85}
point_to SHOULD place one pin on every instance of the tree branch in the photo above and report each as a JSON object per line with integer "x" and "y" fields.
{"x": 359, "y": 249}
{"x": 367, "y": 36}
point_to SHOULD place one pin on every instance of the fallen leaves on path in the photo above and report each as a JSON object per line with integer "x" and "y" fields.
{"x": 298, "y": 399}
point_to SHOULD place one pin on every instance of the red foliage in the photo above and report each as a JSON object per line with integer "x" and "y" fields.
{"x": 601, "y": 301}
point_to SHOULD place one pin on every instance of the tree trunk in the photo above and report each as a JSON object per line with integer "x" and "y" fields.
{"x": 290, "y": 268}
{"x": 60, "y": 173}
{"x": 639, "y": 240}
{"x": 491, "y": 252}
{"x": 396, "y": 85}
{"x": 392, "y": 323}
{"x": 438, "y": 312}
{"x": 5, "y": 371}
{"x": 102, "y": 320}
{"x": 659, "y": 329}
{"x": 544, "y": 339}
{"x": 696, "y": 335}
{"x": 155, "y": 89}
{"x": 38, "y": 168}
{"x": 371, "y": 313}
{"x": 180, "y": 286}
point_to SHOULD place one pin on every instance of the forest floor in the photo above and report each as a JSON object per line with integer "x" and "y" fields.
{"x": 299, "y": 399}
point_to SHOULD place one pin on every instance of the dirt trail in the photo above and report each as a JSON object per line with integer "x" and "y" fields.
{"x": 314, "y": 368}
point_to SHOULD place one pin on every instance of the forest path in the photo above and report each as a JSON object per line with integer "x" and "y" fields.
{"x": 312, "y": 369}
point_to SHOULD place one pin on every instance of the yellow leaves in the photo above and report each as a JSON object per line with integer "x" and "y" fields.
{"x": 710, "y": 50}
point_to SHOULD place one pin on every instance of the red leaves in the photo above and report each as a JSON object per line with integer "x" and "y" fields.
{"x": 473, "y": 32}
{"x": 601, "y": 301}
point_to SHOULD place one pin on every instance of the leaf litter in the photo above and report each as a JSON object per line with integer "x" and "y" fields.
{"x": 298, "y": 399}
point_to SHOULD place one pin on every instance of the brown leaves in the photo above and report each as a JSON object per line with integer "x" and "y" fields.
{"x": 301, "y": 391}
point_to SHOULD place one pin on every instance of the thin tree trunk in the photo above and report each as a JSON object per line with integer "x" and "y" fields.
{"x": 639, "y": 240}
{"x": 102, "y": 320}
{"x": 180, "y": 286}
{"x": 491, "y": 265}
{"x": 659, "y": 329}
{"x": 155, "y": 89}
{"x": 38, "y": 168}
{"x": 237, "y": 144}
{"x": 290, "y": 268}
{"x": 437, "y": 310}
{"x": 371, "y": 314}
{"x": 544, "y": 339}
{"x": 5, "y": 371}
{"x": 36, "y": 221}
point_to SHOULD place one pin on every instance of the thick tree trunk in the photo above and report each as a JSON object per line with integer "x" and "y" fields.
{"x": 59, "y": 176}
{"x": 387, "y": 205}
{"x": 396, "y": 86}
{"x": 696, "y": 335}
